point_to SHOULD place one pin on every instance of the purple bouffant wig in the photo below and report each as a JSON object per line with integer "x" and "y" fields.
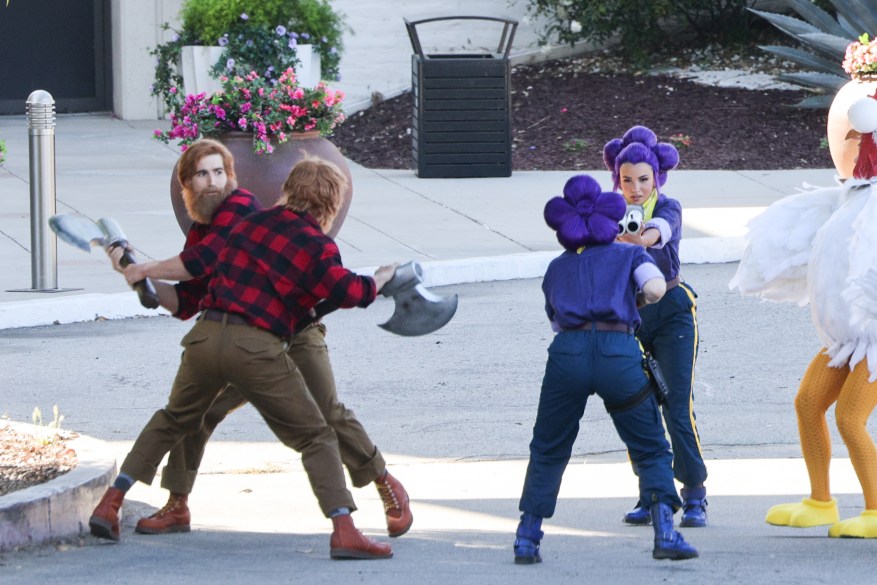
{"x": 585, "y": 215}
{"x": 640, "y": 145}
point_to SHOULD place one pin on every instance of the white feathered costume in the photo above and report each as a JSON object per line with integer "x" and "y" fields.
{"x": 820, "y": 247}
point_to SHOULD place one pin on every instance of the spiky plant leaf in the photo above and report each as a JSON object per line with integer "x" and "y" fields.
{"x": 860, "y": 13}
{"x": 816, "y": 102}
{"x": 788, "y": 24}
{"x": 809, "y": 60}
{"x": 829, "y": 45}
{"x": 818, "y": 17}
{"x": 820, "y": 81}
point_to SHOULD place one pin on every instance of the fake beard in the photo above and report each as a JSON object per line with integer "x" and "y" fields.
{"x": 201, "y": 205}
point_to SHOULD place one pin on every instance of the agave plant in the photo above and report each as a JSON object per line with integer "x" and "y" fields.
{"x": 826, "y": 38}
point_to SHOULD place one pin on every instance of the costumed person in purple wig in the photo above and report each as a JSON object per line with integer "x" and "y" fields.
{"x": 591, "y": 301}
{"x": 669, "y": 332}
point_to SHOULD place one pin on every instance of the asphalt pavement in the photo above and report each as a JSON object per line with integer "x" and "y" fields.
{"x": 451, "y": 411}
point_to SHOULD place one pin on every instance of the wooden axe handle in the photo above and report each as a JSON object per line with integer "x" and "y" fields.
{"x": 145, "y": 289}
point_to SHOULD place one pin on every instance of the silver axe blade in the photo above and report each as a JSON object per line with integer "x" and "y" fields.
{"x": 418, "y": 311}
{"x": 77, "y": 230}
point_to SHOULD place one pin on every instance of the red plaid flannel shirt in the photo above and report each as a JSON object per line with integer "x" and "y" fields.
{"x": 276, "y": 266}
{"x": 203, "y": 245}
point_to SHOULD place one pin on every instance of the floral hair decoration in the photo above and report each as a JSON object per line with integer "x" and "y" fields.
{"x": 585, "y": 214}
{"x": 640, "y": 145}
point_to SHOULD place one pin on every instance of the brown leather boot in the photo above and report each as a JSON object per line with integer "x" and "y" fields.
{"x": 174, "y": 517}
{"x": 396, "y": 507}
{"x": 104, "y": 521}
{"x": 349, "y": 543}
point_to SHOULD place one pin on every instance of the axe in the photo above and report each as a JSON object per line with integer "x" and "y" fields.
{"x": 79, "y": 231}
{"x": 418, "y": 311}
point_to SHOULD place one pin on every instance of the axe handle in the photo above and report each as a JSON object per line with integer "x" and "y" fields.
{"x": 145, "y": 289}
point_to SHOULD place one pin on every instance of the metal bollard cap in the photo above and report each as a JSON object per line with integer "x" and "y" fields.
{"x": 40, "y": 97}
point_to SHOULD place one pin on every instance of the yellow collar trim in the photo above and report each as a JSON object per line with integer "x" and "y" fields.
{"x": 649, "y": 205}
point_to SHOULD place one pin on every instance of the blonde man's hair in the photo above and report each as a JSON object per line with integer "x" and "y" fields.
{"x": 315, "y": 186}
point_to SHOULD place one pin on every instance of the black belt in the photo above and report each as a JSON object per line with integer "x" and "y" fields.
{"x": 222, "y": 317}
{"x": 601, "y": 326}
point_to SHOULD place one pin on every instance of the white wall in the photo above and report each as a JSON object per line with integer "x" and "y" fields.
{"x": 377, "y": 52}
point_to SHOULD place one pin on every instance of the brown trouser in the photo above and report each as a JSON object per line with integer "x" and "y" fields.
{"x": 254, "y": 361}
{"x": 309, "y": 353}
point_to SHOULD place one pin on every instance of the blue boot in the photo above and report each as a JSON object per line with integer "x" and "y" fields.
{"x": 639, "y": 516}
{"x": 529, "y": 535}
{"x": 669, "y": 544}
{"x": 693, "y": 507}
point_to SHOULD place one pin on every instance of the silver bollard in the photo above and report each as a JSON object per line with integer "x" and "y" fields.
{"x": 41, "y": 148}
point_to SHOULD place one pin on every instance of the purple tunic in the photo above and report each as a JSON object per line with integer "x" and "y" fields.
{"x": 598, "y": 284}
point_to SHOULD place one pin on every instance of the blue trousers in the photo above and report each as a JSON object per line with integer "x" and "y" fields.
{"x": 669, "y": 332}
{"x": 609, "y": 364}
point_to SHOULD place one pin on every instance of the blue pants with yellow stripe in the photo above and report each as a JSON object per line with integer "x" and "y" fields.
{"x": 669, "y": 332}
{"x": 609, "y": 364}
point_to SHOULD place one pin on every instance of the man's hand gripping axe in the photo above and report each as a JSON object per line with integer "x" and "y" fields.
{"x": 418, "y": 311}
{"x": 79, "y": 231}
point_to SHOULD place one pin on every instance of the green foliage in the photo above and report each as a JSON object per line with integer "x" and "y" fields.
{"x": 825, "y": 38}
{"x": 575, "y": 145}
{"x": 2, "y": 151}
{"x": 249, "y": 32}
{"x": 315, "y": 20}
{"x": 643, "y": 27}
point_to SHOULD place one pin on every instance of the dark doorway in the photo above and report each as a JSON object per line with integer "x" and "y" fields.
{"x": 61, "y": 46}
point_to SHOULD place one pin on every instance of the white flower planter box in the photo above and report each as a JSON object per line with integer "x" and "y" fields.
{"x": 196, "y": 62}
{"x": 195, "y": 65}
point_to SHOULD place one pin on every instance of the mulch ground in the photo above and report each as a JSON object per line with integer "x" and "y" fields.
{"x": 561, "y": 118}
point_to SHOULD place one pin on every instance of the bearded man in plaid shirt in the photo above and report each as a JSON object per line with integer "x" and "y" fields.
{"x": 277, "y": 264}
{"x": 212, "y": 198}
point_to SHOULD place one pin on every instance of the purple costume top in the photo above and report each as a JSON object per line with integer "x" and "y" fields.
{"x": 598, "y": 284}
{"x": 667, "y": 219}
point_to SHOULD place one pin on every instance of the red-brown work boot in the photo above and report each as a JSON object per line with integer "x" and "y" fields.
{"x": 396, "y": 508}
{"x": 349, "y": 543}
{"x": 104, "y": 521}
{"x": 174, "y": 517}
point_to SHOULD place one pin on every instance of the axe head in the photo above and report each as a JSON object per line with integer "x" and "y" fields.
{"x": 77, "y": 230}
{"x": 418, "y": 311}
{"x": 113, "y": 232}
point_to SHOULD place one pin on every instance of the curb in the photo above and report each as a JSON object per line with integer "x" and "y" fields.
{"x": 88, "y": 307}
{"x": 59, "y": 508}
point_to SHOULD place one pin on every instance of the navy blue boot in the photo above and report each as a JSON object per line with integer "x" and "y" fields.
{"x": 639, "y": 516}
{"x": 693, "y": 507}
{"x": 669, "y": 544}
{"x": 529, "y": 535}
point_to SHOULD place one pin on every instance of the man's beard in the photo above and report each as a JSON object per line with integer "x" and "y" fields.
{"x": 203, "y": 204}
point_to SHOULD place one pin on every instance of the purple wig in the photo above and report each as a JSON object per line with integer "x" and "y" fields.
{"x": 640, "y": 145}
{"x": 585, "y": 215}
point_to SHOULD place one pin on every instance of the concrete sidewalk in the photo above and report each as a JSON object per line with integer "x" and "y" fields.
{"x": 462, "y": 230}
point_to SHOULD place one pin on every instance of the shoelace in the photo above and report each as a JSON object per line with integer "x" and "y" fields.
{"x": 391, "y": 501}
{"x": 168, "y": 508}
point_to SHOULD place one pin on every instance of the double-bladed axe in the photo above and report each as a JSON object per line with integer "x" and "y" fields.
{"x": 418, "y": 311}
{"x": 80, "y": 231}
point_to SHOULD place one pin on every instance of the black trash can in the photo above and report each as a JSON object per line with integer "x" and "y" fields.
{"x": 462, "y": 108}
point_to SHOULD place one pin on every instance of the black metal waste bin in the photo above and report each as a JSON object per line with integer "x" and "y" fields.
{"x": 462, "y": 108}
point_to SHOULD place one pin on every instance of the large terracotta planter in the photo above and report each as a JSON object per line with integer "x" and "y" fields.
{"x": 264, "y": 174}
{"x": 844, "y": 149}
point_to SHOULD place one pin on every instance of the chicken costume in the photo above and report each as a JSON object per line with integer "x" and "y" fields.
{"x": 820, "y": 247}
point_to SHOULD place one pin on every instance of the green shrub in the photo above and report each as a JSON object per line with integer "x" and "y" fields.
{"x": 643, "y": 27}
{"x": 249, "y": 30}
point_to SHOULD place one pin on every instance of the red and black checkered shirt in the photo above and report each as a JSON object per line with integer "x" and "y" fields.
{"x": 203, "y": 245}
{"x": 276, "y": 265}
